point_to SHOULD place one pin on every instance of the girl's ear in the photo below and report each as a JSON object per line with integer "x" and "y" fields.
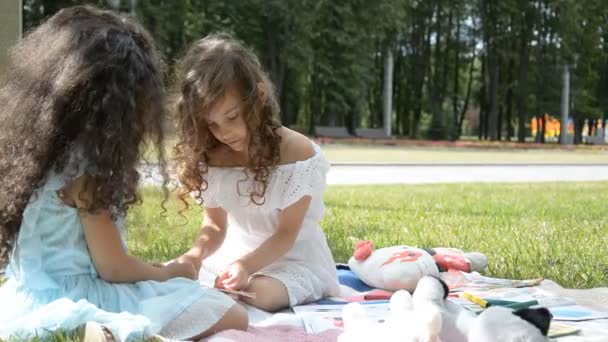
{"x": 263, "y": 91}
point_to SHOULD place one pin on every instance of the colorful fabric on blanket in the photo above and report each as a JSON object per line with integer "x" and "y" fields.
{"x": 348, "y": 278}
{"x": 276, "y": 333}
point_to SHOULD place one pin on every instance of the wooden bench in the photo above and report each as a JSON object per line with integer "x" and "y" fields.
{"x": 596, "y": 139}
{"x": 371, "y": 133}
{"x": 332, "y": 132}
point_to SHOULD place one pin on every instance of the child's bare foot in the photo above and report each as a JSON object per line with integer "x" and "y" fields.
{"x": 94, "y": 332}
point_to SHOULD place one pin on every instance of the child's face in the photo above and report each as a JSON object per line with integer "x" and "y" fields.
{"x": 226, "y": 121}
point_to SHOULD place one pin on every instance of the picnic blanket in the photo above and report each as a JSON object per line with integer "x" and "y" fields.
{"x": 275, "y": 333}
{"x": 596, "y": 298}
{"x": 289, "y": 326}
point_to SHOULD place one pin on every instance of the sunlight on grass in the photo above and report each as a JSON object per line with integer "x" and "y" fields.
{"x": 556, "y": 230}
{"x": 552, "y": 230}
{"x": 155, "y": 235}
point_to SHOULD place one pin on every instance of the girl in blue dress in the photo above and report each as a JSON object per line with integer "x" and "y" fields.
{"x": 80, "y": 96}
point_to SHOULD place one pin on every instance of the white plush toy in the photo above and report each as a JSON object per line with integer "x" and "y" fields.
{"x": 496, "y": 324}
{"x": 428, "y": 317}
{"x": 409, "y": 320}
{"x": 400, "y": 267}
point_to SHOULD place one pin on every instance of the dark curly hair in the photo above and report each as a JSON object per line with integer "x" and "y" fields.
{"x": 211, "y": 66}
{"x": 85, "y": 79}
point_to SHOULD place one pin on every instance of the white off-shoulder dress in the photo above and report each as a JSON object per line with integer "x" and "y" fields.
{"x": 307, "y": 270}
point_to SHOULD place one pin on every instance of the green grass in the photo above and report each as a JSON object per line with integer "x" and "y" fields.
{"x": 553, "y": 230}
{"x": 401, "y": 154}
{"x": 56, "y": 336}
{"x": 557, "y": 231}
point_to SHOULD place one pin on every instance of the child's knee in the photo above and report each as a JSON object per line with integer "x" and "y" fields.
{"x": 267, "y": 303}
{"x": 236, "y": 318}
{"x": 271, "y": 295}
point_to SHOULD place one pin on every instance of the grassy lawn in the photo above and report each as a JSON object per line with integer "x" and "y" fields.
{"x": 555, "y": 230}
{"x": 409, "y": 154}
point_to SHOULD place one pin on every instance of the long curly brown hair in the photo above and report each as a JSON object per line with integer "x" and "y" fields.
{"x": 210, "y": 67}
{"x": 85, "y": 79}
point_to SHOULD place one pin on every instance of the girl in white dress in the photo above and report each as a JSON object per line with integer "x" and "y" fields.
{"x": 261, "y": 183}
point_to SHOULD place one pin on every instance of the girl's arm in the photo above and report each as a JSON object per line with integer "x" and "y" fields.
{"x": 290, "y": 223}
{"x": 111, "y": 261}
{"x": 210, "y": 238}
{"x": 295, "y": 147}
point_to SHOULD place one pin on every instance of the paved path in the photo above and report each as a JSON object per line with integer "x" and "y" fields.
{"x": 461, "y": 173}
{"x": 456, "y": 173}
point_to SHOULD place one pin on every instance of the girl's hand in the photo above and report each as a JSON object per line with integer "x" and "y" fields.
{"x": 190, "y": 259}
{"x": 185, "y": 270}
{"x": 235, "y": 278}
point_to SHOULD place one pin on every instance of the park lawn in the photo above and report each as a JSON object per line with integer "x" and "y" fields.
{"x": 426, "y": 154}
{"x": 553, "y": 230}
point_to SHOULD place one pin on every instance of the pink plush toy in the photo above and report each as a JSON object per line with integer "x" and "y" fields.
{"x": 400, "y": 267}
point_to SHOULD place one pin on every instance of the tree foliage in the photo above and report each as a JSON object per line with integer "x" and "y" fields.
{"x": 502, "y": 59}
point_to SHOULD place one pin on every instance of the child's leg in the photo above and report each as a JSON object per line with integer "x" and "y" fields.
{"x": 185, "y": 325}
{"x": 271, "y": 294}
{"x": 235, "y": 318}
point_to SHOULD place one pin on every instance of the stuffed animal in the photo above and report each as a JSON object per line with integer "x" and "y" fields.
{"x": 407, "y": 321}
{"x": 497, "y": 324}
{"x": 400, "y": 267}
{"x": 426, "y": 316}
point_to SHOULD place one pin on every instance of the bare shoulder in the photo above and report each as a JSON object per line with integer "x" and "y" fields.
{"x": 295, "y": 146}
{"x": 220, "y": 156}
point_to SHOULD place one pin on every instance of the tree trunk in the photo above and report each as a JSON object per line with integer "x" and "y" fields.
{"x": 422, "y": 37}
{"x": 493, "y": 93}
{"x": 544, "y": 128}
{"x": 455, "y": 131}
{"x": 483, "y": 99}
{"x": 355, "y": 118}
{"x": 435, "y": 83}
{"x": 315, "y": 103}
{"x": 467, "y": 98}
{"x": 276, "y": 65}
{"x": 565, "y": 105}
{"x": 402, "y": 96}
{"x": 509, "y": 96}
{"x": 509, "y": 114}
{"x": 501, "y": 110}
{"x": 387, "y": 89}
{"x": 522, "y": 83}
{"x": 522, "y": 90}
{"x": 491, "y": 74}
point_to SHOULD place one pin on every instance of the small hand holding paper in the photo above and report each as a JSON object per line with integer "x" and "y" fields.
{"x": 235, "y": 278}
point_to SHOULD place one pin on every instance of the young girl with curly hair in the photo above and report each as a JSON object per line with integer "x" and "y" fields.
{"x": 82, "y": 94}
{"x": 261, "y": 184}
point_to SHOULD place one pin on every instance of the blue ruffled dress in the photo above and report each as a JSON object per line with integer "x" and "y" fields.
{"x": 52, "y": 282}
